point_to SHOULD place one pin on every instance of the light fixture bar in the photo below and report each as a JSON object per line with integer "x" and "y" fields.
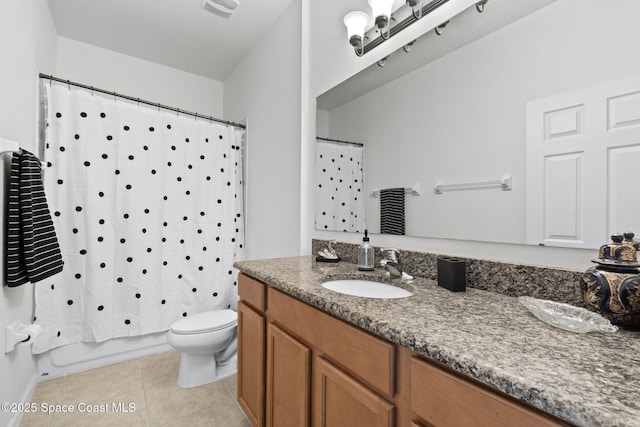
{"x": 399, "y": 26}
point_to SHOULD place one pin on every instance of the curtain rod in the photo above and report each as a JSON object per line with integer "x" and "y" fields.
{"x": 359, "y": 144}
{"x": 141, "y": 101}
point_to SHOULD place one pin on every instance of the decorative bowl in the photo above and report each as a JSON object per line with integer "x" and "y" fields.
{"x": 567, "y": 317}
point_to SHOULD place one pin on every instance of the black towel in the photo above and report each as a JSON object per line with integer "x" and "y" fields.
{"x": 33, "y": 253}
{"x": 392, "y": 211}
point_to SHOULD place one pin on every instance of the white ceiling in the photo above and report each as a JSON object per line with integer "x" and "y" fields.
{"x": 175, "y": 33}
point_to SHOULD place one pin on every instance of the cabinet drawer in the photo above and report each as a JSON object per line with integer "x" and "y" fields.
{"x": 445, "y": 399}
{"x": 368, "y": 358}
{"x": 251, "y": 291}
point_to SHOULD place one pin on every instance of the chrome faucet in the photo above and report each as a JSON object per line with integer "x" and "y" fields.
{"x": 391, "y": 262}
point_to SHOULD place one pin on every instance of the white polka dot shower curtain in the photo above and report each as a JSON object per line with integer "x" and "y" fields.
{"x": 339, "y": 194}
{"x": 147, "y": 206}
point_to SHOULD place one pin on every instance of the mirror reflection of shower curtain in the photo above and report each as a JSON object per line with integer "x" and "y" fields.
{"x": 147, "y": 205}
{"x": 339, "y": 176}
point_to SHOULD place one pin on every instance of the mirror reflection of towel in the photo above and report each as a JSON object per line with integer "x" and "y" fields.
{"x": 392, "y": 211}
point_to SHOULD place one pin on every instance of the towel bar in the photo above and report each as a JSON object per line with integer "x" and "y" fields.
{"x": 415, "y": 190}
{"x": 7, "y": 146}
{"x": 504, "y": 184}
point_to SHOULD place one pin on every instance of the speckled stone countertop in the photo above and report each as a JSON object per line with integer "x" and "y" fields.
{"x": 588, "y": 379}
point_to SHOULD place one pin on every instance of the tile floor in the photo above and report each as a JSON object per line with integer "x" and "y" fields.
{"x": 149, "y": 384}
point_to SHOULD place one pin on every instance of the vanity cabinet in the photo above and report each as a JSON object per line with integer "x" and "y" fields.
{"x": 299, "y": 366}
{"x": 316, "y": 369}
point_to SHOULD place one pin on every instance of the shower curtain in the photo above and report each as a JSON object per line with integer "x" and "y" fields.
{"x": 339, "y": 187}
{"x": 148, "y": 208}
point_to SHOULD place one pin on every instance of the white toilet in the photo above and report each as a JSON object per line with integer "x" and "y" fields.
{"x": 208, "y": 343}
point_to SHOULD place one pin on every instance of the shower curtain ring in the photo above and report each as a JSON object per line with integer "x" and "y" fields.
{"x": 138, "y": 102}
{"x": 177, "y": 112}
{"x": 68, "y": 84}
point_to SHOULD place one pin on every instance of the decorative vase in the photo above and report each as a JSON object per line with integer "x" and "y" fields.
{"x": 612, "y": 287}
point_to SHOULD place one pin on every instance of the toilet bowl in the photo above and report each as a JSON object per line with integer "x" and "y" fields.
{"x": 207, "y": 342}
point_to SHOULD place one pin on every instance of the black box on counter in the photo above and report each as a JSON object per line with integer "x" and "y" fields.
{"x": 452, "y": 274}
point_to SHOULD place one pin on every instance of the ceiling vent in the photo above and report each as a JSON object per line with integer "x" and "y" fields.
{"x": 224, "y": 8}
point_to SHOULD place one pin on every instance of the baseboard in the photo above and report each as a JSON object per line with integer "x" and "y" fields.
{"x": 15, "y": 420}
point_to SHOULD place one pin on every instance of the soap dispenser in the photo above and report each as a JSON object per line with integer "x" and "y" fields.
{"x": 365, "y": 254}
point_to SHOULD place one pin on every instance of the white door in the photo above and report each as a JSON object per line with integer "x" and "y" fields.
{"x": 583, "y": 164}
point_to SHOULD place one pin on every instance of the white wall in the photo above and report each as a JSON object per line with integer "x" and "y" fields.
{"x": 27, "y": 45}
{"x": 462, "y": 118}
{"x": 112, "y": 71}
{"x": 613, "y": 65}
{"x": 266, "y": 88}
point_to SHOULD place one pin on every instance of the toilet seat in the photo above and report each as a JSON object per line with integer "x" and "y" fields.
{"x": 207, "y": 321}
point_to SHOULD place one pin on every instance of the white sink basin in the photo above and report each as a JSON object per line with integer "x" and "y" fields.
{"x": 366, "y": 288}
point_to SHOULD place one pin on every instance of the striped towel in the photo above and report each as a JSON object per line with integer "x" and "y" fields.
{"x": 33, "y": 253}
{"x": 392, "y": 211}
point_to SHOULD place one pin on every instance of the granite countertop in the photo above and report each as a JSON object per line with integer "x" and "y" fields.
{"x": 588, "y": 379}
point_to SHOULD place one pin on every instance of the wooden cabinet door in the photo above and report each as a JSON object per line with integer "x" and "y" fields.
{"x": 288, "y": 380}
{"x": 341, "y": 401}
{"x": 251, "y": 356}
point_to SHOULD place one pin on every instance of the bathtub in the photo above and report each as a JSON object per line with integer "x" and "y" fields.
{"x": 82, "y": 356}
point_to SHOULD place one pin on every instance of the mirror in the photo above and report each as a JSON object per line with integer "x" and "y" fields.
{"x": 453, "y": 109}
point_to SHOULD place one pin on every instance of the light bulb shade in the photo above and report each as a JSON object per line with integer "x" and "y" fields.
{"x": 381, "y": 8}
{"x": 356, "y": 23}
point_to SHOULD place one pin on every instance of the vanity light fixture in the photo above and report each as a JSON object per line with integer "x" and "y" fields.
{"x": 356, "y": 22}
{"x": 381, "y": 11}
{"x": 388, "y": 22}
{"x": 416, "y": 8}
